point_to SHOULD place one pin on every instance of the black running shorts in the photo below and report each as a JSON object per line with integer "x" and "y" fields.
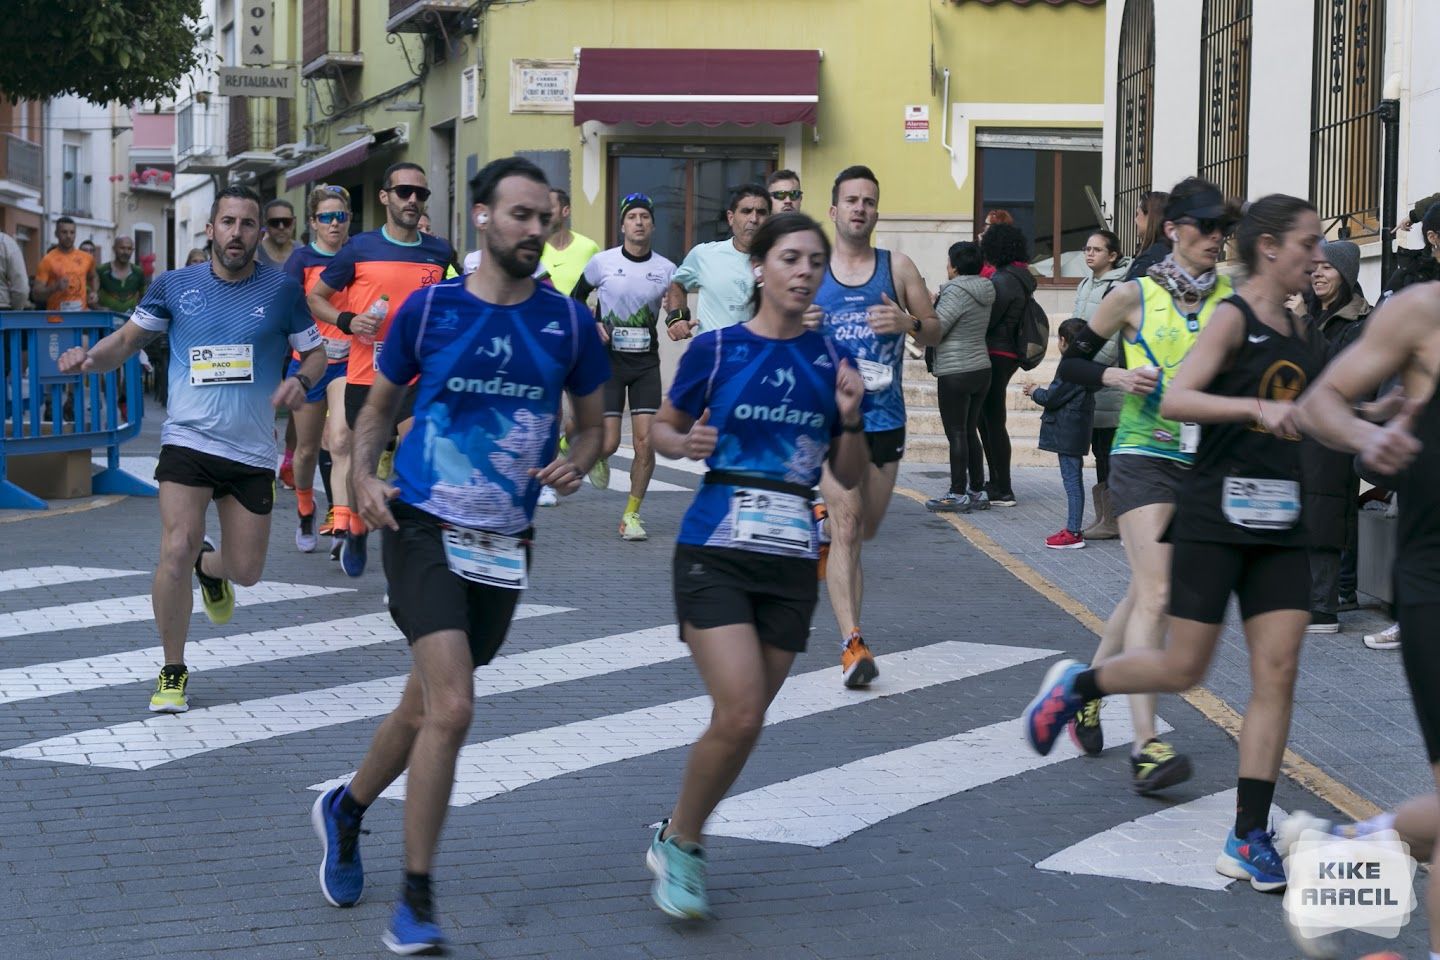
{"x": 720, "y": 587}
{"x": 1138, "y": 481}
{"x": 886, "y": 446}
{"x": 425, "y": 597}
{"x": 252, "y": 487}
{"x": 357, "y": 393}
{"x": 641, "y": 382}
{"x": 1421, "y": 656}
{"x": 1263, "y": 578}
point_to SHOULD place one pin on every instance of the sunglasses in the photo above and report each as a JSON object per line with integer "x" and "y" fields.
{"x": 405, "y": 191}
{"x": 278, "y": 222}
{"x": 332, "y": 216}
{"x": 338, "y": 191}
{"x": 1209, "y": 225}
{"x": 787, "y": 194}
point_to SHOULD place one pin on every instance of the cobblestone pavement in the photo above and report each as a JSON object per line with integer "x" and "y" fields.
{"x": 910, "y": 821}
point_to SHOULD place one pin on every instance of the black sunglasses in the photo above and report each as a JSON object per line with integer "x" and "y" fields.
{"x": 405, "y": 191}
{"x": 1209, "y": 225}
{"x": 278, "y": 222}
{"x": 787, "y": 194}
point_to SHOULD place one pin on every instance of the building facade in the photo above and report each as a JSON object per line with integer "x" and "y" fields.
{"x": 22, "y": 176}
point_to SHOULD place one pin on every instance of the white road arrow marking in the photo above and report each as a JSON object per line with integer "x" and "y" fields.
{"x": 28, "y": 578}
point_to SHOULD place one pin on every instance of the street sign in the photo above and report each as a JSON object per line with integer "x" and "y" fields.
{"x": 256, "y": 82}
{"x": 257, "y": 36}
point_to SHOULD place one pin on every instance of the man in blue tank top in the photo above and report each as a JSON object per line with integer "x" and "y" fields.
{"x": 872, "y": 299}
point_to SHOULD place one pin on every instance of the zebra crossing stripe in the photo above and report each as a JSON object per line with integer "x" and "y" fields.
{"x": 829, "y": 805}
{"x": 105, "y": 613}
{"x": 696, "y": 467}
{"x": 620, "y": 482}
{"x": 154, "y": 741}
{"x": 498, "y": 766}
{"x": 28, "y": 578}
{"x": 1177, "y": 845}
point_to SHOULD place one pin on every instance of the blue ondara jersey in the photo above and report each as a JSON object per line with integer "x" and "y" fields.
{"x": 773, "y": 404}
{"x": 486, "y": 410}
{"x": 880, "y": 357}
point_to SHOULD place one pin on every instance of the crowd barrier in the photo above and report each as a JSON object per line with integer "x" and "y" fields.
{"x": 46, "y": 411}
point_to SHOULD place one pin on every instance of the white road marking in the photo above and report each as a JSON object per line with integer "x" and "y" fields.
{"x": 104, "y": 613}
{"x": 26, "y": 578}
{"x": 829, "y": 805}
{"x": 620, "y": 483}
{"x": 90, "y": 673}
{"x": 143, "y": 744}
{"x": 498, "y": 766}
{"x": 1178, "y": 846}
{"x": 696, "y": 467}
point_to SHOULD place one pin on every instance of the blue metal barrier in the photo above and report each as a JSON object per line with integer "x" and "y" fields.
{"x": 85, "y": 411}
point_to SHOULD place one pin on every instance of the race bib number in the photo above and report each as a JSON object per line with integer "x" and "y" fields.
{"x": 337, "y": 348}
{"x": 224, "y": 363}
{"x": 770, "y": 519}
{"x": 877, "y": 376}
{"x": 630, "y": 339}
{"x": 68, "y": 305}
{"x": 1261, "y": 504}
{"x": 1189, "y": 437}
{"x": 487, "y": 558}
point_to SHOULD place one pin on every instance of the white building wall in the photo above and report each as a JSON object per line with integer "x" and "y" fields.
{"x": 1281, "y": 52}
{"x": 71, "y": 120}
{"x": 1176, "y": 148}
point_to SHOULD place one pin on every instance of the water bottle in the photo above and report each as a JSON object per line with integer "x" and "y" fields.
{"x": 377, "y": 310}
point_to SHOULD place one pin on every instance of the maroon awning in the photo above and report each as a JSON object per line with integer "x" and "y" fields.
{"x": 708, "y": 87}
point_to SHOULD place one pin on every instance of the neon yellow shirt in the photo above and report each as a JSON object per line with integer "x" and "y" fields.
{"x": 566, "y": 265}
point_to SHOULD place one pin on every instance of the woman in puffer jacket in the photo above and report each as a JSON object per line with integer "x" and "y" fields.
{"x": 1107, "y": 268}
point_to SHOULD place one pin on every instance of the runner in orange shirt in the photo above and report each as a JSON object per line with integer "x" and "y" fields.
{"x": 67, "y": 278}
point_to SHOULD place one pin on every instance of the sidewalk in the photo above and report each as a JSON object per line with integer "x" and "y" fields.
{"x": 1353, "y": 716}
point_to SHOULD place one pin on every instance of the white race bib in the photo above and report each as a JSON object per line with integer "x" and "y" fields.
{"x": 770, "y": 519}
{"x": 72, "y": 305}
{"x": 630, "y": 339}
{"x": 1189, "y": 437}
{"x": 223, "y": 363}
{"x": 1261, "y": 504}
{"x": 877, "y": 376}
{"x": 483, "y": 557}
{"x": 337, "y": 348}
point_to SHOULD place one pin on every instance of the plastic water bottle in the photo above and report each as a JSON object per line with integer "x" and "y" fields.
{"x": 377, "y": 310}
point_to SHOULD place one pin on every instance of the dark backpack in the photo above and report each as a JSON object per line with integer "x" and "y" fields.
{"x": 1032, "y": 335}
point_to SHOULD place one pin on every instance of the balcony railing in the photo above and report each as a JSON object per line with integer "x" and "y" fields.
{"x": 330, "y": 36}
{"x": 20, "y": 161}
{"x": 200, "y": 142}
{"x": 424, "y": 16}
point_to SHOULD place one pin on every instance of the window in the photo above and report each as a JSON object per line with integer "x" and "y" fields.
{"x": 75, "y": 182}
{"x": 1344, "y": 129}
{"x": 1047, "y": 182}
{"x": 690, "y": 185}
{"x": 1134, "y": 116}
{"x": 1225, "y": 95}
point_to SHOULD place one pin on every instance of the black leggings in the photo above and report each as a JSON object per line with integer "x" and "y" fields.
{"x": 961, "y": 396}
{"x": 1101, "y": 439}
{"x": 1421, "y": 656}
{"x": 992, "y": 423}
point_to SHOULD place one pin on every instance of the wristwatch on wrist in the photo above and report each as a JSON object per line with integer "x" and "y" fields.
{"x": 304, "y": 382}
{"x": 857, "y": 427}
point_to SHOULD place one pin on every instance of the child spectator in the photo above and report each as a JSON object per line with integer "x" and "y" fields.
{"x": 1065, "y": 430}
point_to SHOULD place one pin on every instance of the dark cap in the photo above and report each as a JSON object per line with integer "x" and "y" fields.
{"x": 1206, "y": 204}
{"x": 634, "y": 201}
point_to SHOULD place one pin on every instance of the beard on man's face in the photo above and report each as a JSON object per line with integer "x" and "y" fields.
{"x": 235, "y": 261}
{"x": 514, "y": 260}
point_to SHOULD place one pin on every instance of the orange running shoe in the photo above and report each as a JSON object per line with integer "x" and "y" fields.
{"x": 857, "y": 663}
{"x": 822, "y": 530}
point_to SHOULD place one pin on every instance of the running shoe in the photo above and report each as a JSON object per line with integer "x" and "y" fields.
{"x": 1064, "y": 540}
{"x": 327, "y": 526}
{"x": 287, "y": 470}
{"x": 305, "y": 538}
{"x": 979, "y": 500}
{"x": 950, "y": 503}
{"x": 352, "y": 553}
{"x": 548, "y": 498}
{"x": 413, "y": 932}
{"x": 679, "y": 871}
{"x": 1158, "y": 766}
{"x": 600, "y": 474}
{"x": 1085, "y": 729}
{"x": 1348, "y": 602}
{"x": 169, "y": 695}
{"x": 1053, "y": 706}
{"x": 1254, "y": 858}
{"x": 216, "y": 594}
{"x": 1387, "y": 639}
{"x": 822, "y": 537}
{"x": 336, "y": 543}
{"x": 1323, "y": 623}
{"x": 342, "y": 877}
{"x": 386, "y": 464}
{"x": 857, "y": 663}
{"x": 1296, "y": 824}
{"x": 630, "y": 528}
{"x": 1005, "y": 499}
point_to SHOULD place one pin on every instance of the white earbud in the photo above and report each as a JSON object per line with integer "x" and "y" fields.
{"x": 481, "y": 219}
{"x": 757, "y": 273}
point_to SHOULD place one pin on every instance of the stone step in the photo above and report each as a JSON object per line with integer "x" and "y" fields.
{"x": 926, "y": 422}
{"x": 929, "y": 449}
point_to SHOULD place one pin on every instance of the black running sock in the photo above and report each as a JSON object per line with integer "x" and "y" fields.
{"x": 417, "y": 894}
{"x": 348, "y": 807}
{"x": 325, "y": 462}
{"x": 1252, "y": 805}
{"x": 1085, "y": 685}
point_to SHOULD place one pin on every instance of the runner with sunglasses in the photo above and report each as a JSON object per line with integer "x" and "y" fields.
{"x": 376, "y": 271}
{"x": 277, "y": 242}
{"x": 1161, "y": 315}
{"x": 785, "y": 192}
{"x": 629, "y": 283}
{"x": 329, "y": 209}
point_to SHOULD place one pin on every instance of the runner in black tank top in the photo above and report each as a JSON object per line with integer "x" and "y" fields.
{"x": 1398, "y": 442}
{"x": 1238, "y": 528}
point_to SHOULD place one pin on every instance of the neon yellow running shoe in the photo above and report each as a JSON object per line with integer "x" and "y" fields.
{"x": 630, "y": 528}
{"x": 216, "y": 594}
{"x": 169, "y": 695}
{"x": 600, "y": 474}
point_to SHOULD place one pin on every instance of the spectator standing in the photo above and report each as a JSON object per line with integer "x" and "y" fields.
{"x": 66, "y": 279}
{"x": 991, "y": 219}
{"x": 1107, "y": 268}
{"x": 1003, "y": 247}
{"x": 1065, "y": 430}
{"x": 1150, "y": 228}
{"x": 121, "y": 282}
{"x": 1421, "y": 266}
{"x": 14, "y": 279}
{"x": 962, "y": 372}
{"x": 196, "y": 255}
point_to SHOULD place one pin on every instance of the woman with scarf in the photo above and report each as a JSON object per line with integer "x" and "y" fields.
{"x": 1160, "y": 316}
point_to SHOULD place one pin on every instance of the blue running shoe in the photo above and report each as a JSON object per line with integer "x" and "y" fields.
{"x": 679, "y": 871}
{"x": 342, "y": 877}
{"x": 411, "y": 934}
{"x": 1050, "y": 712}
{"x": 1253, "y": 858}
{"x": 352, "y": 553}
